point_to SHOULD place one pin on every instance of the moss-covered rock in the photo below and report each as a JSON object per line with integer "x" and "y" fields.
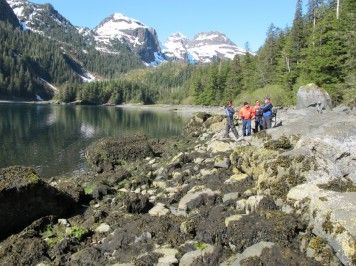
{"x": 283, "y": 143}
{"x": 24, "y": 197}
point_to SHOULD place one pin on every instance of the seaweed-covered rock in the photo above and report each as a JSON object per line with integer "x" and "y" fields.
{"x": 24, "y": 197}
{"x": 108, "y": 154}
{"x": 283, "y": 143}
{"x": 137, "y": 203}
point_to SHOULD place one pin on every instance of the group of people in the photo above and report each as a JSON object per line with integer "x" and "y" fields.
{"x": 260, "y": 114}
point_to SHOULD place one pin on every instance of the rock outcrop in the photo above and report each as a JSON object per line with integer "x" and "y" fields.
{"x": 24, "y": 197}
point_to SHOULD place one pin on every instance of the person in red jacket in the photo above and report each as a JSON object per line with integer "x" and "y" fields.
{"x": 246, "y": 114}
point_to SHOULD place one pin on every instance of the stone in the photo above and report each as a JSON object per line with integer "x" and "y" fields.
{"x": 24, "y": 198}
{"x": 236, "y": 178}
{"x": 103, "y": 228}
{"x": 159, "y": 184}
{"x": 196, "y": 199}
{"x": 217, "y": 146}
{"x": 255, "y": 203}
{"x": 159, "y": 210}
{"x": 64, "y": 222}
{"x": 312, "y": 96}
{"x": 198, "y": 160}
{"x": 199, "y": 257}
{"x": 231, "y": 196}
{"x": 137, "y": 203}
{"x": 222, "y": 163}
{"x": 207, "y": 172}
{"x": 232, "y": 218}
{"x": 168, "y": 256}
{"x": 250, "y": 252}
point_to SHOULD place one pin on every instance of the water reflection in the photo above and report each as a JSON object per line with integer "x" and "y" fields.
{"x": 53, "y": 138}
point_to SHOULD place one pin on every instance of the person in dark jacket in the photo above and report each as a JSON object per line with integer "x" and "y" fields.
{"x": 267, "y": 113}
{"x": 258, "y": 117}
{"x": 229, "y": 111}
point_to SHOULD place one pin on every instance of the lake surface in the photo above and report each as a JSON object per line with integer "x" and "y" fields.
{"x": 53, "y": 138}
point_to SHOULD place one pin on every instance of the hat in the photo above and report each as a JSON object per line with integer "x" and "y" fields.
{"x": 245, "y": 103}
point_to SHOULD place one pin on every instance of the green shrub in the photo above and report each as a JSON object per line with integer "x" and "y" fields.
{"x": 279, "y": 96}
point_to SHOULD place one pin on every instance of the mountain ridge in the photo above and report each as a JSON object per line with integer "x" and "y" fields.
{"x": 119, "y": 30}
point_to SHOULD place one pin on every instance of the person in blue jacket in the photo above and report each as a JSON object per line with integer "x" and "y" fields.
{"x": 267, "y": 113}
{"x": 229, "y": 111}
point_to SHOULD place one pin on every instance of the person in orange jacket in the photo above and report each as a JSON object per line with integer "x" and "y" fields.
{"x": 246, "y": 114}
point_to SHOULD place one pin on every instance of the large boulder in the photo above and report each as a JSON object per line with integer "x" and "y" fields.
{"x": 312, "y": 96}
{"x": 24, "y": 198}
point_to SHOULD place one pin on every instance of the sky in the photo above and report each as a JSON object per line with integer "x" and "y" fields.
{"x": 241, "y": 20}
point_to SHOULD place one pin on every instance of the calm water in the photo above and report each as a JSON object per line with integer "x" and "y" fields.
{"x": 52, "y": 138}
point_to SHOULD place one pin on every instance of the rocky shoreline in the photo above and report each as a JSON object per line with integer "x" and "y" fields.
{"x": 282, "y": 197}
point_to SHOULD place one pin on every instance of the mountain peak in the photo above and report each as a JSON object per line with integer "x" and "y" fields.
{"x": 137, "y": 36}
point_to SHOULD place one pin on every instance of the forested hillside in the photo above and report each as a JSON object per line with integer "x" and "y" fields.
{"x": 29, "y": 61}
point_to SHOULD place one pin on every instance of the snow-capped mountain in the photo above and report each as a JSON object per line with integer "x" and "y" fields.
{"x": 40, "y": 18}
{"x": 137, "y": 36}
{"x": 204, "y": 48}
{"x": 176, "y": 47}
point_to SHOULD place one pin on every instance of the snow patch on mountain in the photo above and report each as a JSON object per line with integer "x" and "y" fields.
{"x": 204, "y": 48}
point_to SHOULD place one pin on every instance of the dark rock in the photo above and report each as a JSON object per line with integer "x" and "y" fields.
{"x": 147, "y": 259}
{"x": 66, "y": 246}
{"x": 138, "y": 234}
{"x": 24, "y": 197}
{"x": 196, "y": 123}
{"x": 107, "y": 154}
{"x": 73, "y": 189}
{"x": 283, "y": 143}
{"x": 22, "y": 250}
{"x": 279, "y": 256}
{"x": 89, "y": 256}
{"x": 100, "y": 190}
{"x": 114, "y": 178}
{"x": 274, "y": 226}
{"x": 137, "y": 203}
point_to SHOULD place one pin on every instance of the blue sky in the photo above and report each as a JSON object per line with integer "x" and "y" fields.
{"x": 241, "y": 20}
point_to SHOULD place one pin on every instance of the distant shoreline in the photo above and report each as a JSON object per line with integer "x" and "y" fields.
{"x": 25, "y": 102}
{"x": 181, "y": 109}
